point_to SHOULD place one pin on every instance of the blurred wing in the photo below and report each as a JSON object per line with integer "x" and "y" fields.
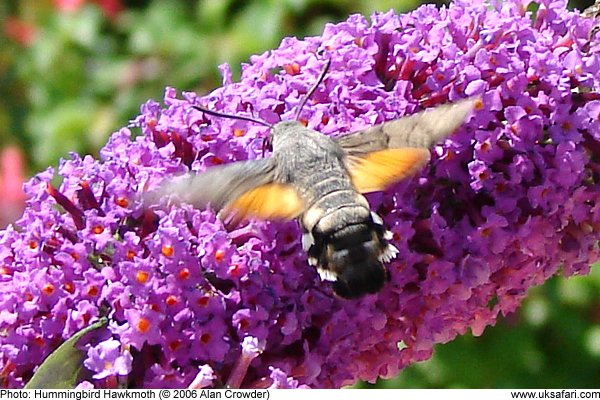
{"x": 245, "y": 188}
{"x": 269, "y": 201}
{"x": 420, "y": 130}
{"x": 382, "y": 155}
{"x": 378, "y": 170}
{"x": 592, "y": 11}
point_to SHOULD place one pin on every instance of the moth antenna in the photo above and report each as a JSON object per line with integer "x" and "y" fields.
{"x": 312, "y": 89}
{"x": 232, "y": 116}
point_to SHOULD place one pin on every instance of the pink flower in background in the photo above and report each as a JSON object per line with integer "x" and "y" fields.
{"x": 12, "y": 176}
{"x": 21, "y": 31}
{"x": 68, "y": 5}
{"x": 111, "y": 8}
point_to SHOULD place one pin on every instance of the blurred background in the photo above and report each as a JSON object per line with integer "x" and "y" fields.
{"x": 73, "y": 71}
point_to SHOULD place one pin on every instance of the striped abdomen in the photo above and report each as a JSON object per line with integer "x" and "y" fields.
{"x": 345, "y": 240}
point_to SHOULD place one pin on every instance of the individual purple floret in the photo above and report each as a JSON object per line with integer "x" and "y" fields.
{"x": 108, "y": 359}
{"x": 507, "y": 202}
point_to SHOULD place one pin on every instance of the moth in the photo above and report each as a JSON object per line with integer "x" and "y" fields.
{"x": 321, "y": 180}
{"x": 592, "y": 12}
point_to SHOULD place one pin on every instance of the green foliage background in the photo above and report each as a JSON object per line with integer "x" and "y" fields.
{"x": 85, "y": 74}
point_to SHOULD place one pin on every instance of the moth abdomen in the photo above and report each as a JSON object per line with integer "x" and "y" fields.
{"x": 348, "y": 246}
{"x": 350, "y": 236}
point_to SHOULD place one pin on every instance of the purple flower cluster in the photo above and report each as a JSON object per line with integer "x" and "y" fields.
{"x": 508, "y": 201}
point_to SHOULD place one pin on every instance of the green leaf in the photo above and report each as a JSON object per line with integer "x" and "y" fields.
{"x": 61, "y": 367}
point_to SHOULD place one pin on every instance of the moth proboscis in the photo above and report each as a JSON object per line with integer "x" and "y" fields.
{"x": 321, "y": 180}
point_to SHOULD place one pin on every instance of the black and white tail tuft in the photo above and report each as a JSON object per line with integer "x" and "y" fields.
{"x": 352, "y": 255}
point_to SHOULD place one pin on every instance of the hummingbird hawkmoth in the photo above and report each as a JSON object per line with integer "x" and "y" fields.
{"x": 321, "y": 180}
{"x": 592, "y": 12}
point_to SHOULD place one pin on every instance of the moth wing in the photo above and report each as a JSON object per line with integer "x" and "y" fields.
{"x": 268, "y": 201}
{"x": 420, "y": 130}
{"x": 244, "y": 188}
{"x": 378, "y": 170}
{"x": 592, "y": 11}
{"x": 384, "y": 154}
